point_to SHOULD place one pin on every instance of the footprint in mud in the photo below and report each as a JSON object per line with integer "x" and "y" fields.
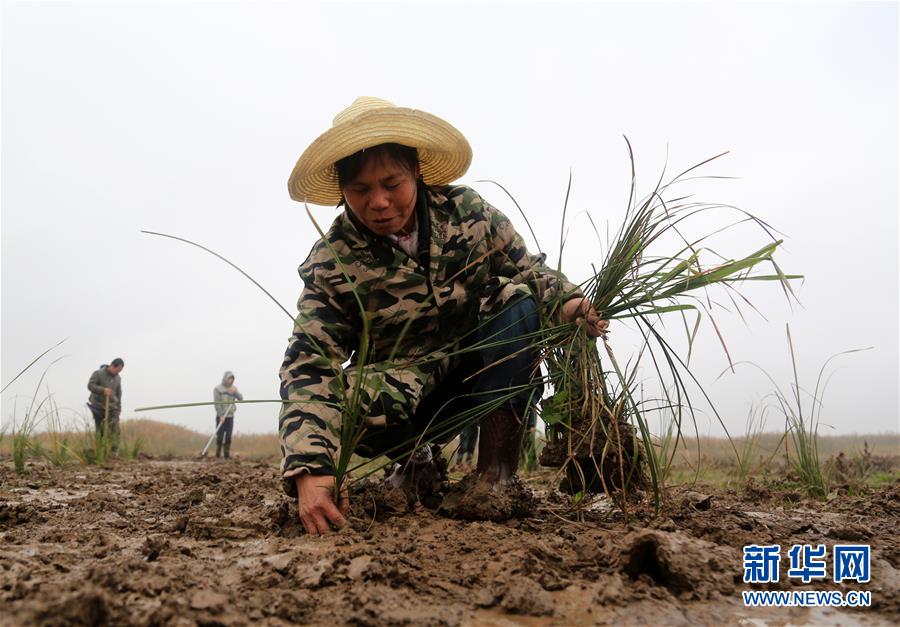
{"x": 521, "y": 595}
{"x": 679, "y": 563}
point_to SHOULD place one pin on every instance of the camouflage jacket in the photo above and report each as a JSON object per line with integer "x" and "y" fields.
{"x": 471, "y": 262}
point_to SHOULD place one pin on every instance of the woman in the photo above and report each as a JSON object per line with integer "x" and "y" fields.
{"x": 423, "y": 270}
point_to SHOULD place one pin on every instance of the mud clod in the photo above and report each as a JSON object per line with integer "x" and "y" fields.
{"x": 597, "y": 464}
{"x": 377, "y": 500}
{"x": 84, "y": 609}
{"x": 153, "y": 546}
{"x": 317, "y": 576}
{"x": 700, "y": 502}
{"x": 524, "y": 596}
{"x": 472, "y": 499}
{"x": 208, "y": 600}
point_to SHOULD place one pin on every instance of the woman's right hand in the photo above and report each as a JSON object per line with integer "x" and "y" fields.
{"x": 581, "y": 311}
{"x": 315, "y": 504}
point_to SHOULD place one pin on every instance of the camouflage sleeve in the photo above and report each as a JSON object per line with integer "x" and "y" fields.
{"x": 513, "y": 261}
{"x": 312, "y": 382}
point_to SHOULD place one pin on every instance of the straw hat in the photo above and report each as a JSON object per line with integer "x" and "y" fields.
{"x": 444, "y": 154}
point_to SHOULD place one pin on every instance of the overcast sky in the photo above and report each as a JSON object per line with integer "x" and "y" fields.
{"x": 187, "y": 119}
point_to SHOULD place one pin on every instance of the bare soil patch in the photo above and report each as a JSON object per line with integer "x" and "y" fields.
{"x": 202, "y": 543}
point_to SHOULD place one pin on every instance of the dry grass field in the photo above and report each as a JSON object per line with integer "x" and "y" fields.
{"x": 715, "y": 457}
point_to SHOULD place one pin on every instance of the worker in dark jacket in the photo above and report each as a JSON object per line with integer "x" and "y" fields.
{"x": 105, "y": 401}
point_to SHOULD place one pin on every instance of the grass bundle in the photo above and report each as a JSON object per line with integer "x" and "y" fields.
{"x": 597, "y": 431}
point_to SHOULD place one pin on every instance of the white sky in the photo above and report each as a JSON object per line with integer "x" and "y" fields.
{"x": 187, "y": 119}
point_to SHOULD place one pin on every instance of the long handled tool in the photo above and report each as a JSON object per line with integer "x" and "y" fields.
{"x": 106, "y": 416}
{"x": 212, "y": 437}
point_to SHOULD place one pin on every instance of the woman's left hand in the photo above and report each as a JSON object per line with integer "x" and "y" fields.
{"x": 580, "y": 311}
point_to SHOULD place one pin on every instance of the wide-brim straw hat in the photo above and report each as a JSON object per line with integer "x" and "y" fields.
{"x": 444, "y": 154}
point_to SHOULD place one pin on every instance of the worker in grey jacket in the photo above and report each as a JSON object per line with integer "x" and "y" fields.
{"x": 106, "y": 400}
{"x": 224, "y": 396}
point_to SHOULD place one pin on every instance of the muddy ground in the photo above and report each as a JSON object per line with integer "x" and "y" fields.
{"x": 184, "y": 543}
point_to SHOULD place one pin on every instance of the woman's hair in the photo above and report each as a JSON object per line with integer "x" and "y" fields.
{"x": 349, "y": 168}
{"x": 117, "y": 362}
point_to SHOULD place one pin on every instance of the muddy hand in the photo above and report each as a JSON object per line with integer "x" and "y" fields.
{"x": 315, "y": 504}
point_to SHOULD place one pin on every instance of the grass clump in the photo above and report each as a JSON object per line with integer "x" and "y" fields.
{"x": 93, "y": 448}
{"x": 802, "y": 412}
{"x": 597, "y": 429}
{"x": 55, "y": 447}
{"x": 131, "y": 449}
{"x": 22, "y": 444}
{"x": 748, "y": 454}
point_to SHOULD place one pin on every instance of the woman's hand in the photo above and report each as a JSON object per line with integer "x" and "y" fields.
{"x": 316, "y": 505}
{"x": 580, "y": 311}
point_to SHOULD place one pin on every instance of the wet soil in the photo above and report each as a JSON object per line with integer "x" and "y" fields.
{"x": 478, "y": 500}
{"x": 595, "y": 463}
{"x": 201, "y": 543}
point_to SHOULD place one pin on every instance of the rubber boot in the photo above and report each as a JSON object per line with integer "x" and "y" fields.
{"x": 492, "y": 491}
{"x": 218, "y": 450}
{"x": 499, "y": 446}
{"x": 227, "y": 450}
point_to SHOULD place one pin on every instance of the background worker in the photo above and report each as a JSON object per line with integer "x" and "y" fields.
{"x": 224, "y": 395}
{"x": 105, "y": 401}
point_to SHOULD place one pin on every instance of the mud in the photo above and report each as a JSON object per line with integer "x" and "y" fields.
{"x": 188, "y": 543}
{"x": 471, "y": 499}
{"x": 403, "y": 487}
{"x": 595, "y": 463}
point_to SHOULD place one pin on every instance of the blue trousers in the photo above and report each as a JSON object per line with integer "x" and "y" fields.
{"x": 475, "y": 381}
{"x": 515, "y": 356}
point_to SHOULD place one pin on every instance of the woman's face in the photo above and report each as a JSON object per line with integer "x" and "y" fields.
{"x": 383, "y": 195}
